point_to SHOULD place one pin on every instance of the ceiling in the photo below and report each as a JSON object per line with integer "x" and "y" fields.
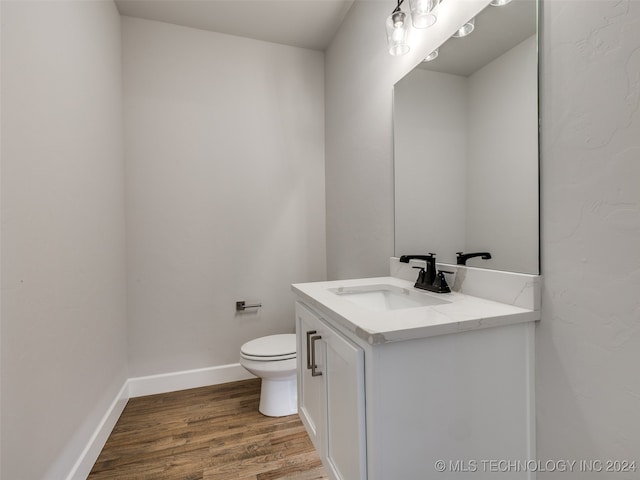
{"x": 497, "y": 30}
{"x": 299, "y": 23}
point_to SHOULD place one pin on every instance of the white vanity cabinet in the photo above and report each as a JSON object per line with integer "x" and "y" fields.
{"x": 448, "y": 404}
{"x": 331, "y": 395}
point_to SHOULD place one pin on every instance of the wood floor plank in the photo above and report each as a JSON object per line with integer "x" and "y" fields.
{"x": 209, "y": 433}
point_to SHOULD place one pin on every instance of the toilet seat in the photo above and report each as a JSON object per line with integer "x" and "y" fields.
{"x": 268, "y": 359}
{"x": 270, "y": 349}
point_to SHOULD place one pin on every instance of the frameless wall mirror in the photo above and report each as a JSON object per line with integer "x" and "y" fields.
{"x": 466, "y": 146}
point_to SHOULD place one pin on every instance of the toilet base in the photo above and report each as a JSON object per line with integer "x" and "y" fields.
{"x": 278, "y": 397}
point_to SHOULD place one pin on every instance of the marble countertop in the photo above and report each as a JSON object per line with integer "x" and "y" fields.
{"x": 463, "y": 313}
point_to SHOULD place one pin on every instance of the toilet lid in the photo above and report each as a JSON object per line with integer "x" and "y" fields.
{"x": 271, "y": 346}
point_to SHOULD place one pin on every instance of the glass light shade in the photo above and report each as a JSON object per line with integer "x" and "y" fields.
{"x": 466, "y": 29}
{"x": 499, "y": 3}
{"x": 421, "y": 12}
{"x": 397, "y": 33}
{"x": 432, "y": 56}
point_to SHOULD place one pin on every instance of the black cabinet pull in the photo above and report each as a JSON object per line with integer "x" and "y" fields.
{"x": 314, "y": 372}
{"x": 309, "y": 333}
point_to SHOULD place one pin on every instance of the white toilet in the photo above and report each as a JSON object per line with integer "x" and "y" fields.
{"x": 273, "y": 359}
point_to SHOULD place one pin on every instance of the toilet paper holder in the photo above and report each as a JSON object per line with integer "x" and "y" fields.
{"x": 241, "y": 306}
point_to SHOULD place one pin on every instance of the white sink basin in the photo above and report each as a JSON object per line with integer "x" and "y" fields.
{"x": 386, "y": 297}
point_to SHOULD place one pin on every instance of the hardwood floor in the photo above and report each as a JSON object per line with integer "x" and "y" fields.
{"x": 209, "y": 433}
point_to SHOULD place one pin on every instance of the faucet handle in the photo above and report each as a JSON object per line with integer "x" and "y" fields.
{"x": 440, "y": 283}
{"x": 421, "y": 274}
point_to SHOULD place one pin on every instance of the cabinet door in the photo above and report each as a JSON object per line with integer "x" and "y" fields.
{"x": 344, "y": 378}
{"x": 311, "y": 389}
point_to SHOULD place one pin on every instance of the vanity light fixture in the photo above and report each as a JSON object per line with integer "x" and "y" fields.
{"x": 465, "y": 29}
{"x": 397, "y": 31}
{"x": 422, "y": 15}
{"x": 432, "y": 56}
{"x": 499, "y": 3}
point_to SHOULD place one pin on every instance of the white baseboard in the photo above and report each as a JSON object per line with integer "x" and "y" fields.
{"x": 89, "y": 455}
{"x": 201, "y": 377}
{"x": 150, "y": 385}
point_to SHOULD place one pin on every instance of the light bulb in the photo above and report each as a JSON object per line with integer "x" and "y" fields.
{"x": 397, "y": 33}
{"x": 421, "y": 12}
{"x": 423, "y": 6}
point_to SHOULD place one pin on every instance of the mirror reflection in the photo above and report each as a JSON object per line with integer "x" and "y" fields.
{"x": 466, "y": 146}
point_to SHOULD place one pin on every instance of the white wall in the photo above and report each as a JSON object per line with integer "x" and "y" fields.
{"x": 430, "y": 153}
{"x": 225, "y": 190}
{"x": 588, "y": 343}
{"x": 63, "y": 242}
{"x": 588, "y": 391}
{"x": 502, "y": 176}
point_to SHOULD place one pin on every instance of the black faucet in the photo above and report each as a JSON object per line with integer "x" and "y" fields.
{"x": 462, "y": 258}
{"x": 427, "y": 274}
{"x": 406, "y": 258}
{"x": 427, "y": 277}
